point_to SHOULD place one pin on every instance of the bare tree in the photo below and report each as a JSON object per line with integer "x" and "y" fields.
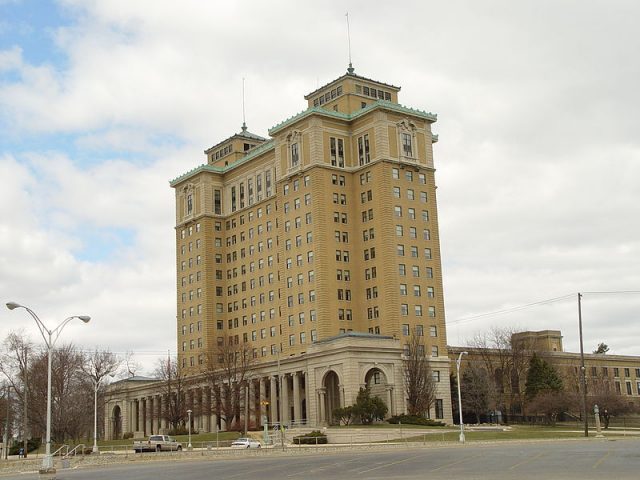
{"x": 506, "y": 362}
{"x": 15, "y": 367}
{"x": 550, "y": 403}
{"x": 600, "y": 391}
{"x": 228, "y": 371}
{"x": 71, "y": 400}
{"x": 131, "y": 364}
{"x": 420, "y": 387}
{"x": 475, "y": 390}
{"x": 173, "y": 389}
{"x": 98, "y": 366}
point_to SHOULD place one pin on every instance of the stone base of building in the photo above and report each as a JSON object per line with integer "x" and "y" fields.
{"x": 300, "y": 390}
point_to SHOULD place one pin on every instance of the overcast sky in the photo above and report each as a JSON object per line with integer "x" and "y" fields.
{"x": 538, "y": 163}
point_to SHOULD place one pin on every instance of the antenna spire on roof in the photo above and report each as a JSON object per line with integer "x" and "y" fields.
{"x": 350, "y": 69}
{"x": 244, "y": 123}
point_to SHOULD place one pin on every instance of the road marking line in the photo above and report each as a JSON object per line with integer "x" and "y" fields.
{"x": 454, "y": 463}
{"x": 318, "y": 469}
{"x": 389, "y": 464}
{"x": 526, "y": 460}
{"x": 601, "y": 459}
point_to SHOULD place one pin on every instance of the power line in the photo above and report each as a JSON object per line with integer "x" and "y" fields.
{"x": 614, "y": 292}
{"x": 510, "y": 310}
{"x": 541, "y": 302}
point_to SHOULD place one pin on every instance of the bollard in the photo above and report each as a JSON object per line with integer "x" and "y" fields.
{"x": 596, "y": 412}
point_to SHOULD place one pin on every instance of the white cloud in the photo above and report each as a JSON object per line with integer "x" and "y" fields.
{"x": 537, "y": 160}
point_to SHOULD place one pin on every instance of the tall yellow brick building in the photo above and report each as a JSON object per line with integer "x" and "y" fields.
{"x": 318, "y": 248}
{"x": 328, "y": 227}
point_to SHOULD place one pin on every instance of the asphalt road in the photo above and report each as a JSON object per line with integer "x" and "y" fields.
{"x": 558, "y": 460}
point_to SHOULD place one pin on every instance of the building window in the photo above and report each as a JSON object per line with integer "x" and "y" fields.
{"x": 364, "y": 156}
{"x": 337, "y": 152}
{"x": 217, "y": 203}
{"x": 295, "y": 155}
{"x": 189, "y": 204}
{"x": 439, "y": 408}
{"x": 434, "y": 350}
{"x": 407, "y": 147}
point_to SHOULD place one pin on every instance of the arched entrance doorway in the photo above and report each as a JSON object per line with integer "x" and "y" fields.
{"x": 376, "y": 382}
{"x": 331, "y": 385}
{"x": 116, "y": 425}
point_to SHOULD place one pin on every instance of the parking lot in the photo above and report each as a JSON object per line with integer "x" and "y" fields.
{"x": 558, "y": 460}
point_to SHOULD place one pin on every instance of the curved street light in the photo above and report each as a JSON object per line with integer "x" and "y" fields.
{"x": 459, "y": 395}
{"x": 50, "y": 337}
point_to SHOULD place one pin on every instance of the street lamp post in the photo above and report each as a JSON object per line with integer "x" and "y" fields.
{"x": 459, "y": 395}
{"x": 50, "y": 337}
{"x": 96, "y": 385}
{"x": 189, "y": 447}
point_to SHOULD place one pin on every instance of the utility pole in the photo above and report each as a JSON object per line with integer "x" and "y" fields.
{"x": 583, "y": 380}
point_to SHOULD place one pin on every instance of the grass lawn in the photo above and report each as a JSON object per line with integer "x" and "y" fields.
{"x": 388, "y": 425}
{"x": 516, "y": 432}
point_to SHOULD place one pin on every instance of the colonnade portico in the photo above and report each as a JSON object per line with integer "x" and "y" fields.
{"x": 280, "y": 399}
{"x": 304, "y": 390}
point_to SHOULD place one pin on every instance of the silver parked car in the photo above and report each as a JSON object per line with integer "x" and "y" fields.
{"x": 245, "y": 443}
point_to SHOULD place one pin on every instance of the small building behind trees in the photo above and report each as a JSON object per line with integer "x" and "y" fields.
{"x": 518, "y": 375}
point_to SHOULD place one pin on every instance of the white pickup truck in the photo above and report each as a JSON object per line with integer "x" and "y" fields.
{"x": 157, "y": 443}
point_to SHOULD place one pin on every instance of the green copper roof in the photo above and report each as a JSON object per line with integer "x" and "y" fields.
{"x": 213, "y": 169}
{"x": 384, "y": 104}
{"x": 394, "y": 107}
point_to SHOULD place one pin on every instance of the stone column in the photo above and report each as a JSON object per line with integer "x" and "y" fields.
{"x": 263, "y": 396}
{"x": 109, "y": 421}
{"x": 341, "y": 393}
{"x": 148, "y": 410}
{"x": 207, "y": 408}
{"x": 273, "y": 406}
{"x": 252, "y": 403}
{"x": 297, "y": 406}
{"x": 153, "y": 417}
{"x": 390, "y": 400}
{"x": 285, "y": 398}
{"x": 223, "y": 399}
{"x": 197, "y": 404}
{"x": 136, "y": 415}
{"x": 214, "y": 408}
{"x": 322, "y": 392}
{"x": 164, "y": 410}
